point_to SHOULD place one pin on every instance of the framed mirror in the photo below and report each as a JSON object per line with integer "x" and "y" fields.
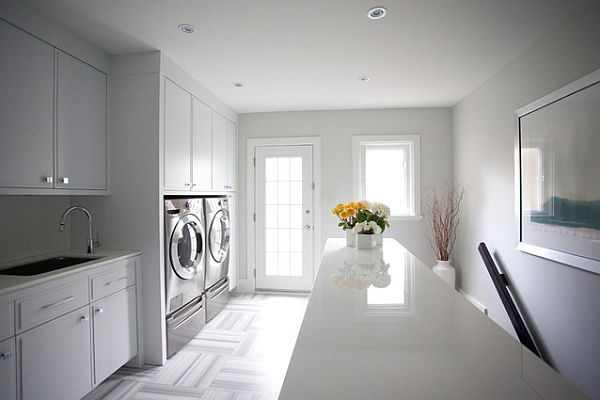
{"x": 558, "y": 175}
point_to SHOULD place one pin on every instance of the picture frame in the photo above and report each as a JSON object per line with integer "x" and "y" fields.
{"x": 557, "y": 170}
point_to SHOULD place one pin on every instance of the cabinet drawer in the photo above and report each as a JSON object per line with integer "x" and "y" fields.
{"x": 38, "y": 309}
{"x": 117, "y": 279}
{"x": 7, "y": 320}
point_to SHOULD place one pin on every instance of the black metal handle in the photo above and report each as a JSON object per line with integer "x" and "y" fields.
{"x": 501, "y": 283}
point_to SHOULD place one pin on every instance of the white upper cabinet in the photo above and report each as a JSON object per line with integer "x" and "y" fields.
{"x": 219, "y": 152}
{"x": 26, "y": 110}
{"x": 201, "y": 146}
{"x": 178, "y": 120}
{"x": 53, "y": 119}
{"x": 81, "y": 125}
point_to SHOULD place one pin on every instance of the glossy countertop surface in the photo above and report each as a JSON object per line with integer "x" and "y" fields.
{"x": 381, "y": 325}
{"x": 12, "y": 283}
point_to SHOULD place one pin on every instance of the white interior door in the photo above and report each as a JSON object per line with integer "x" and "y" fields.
{"x": 284, "y": 217}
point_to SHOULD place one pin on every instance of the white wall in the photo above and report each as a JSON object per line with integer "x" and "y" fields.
{"x": 336, "y": 128}
{"x": 29, "y": 226}
{"x": 563, "y": 303}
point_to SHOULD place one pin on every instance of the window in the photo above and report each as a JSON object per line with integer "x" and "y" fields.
{"x": 386, "y": 170}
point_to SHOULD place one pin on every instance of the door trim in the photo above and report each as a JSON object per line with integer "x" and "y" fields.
{"x": 252, "y": 144}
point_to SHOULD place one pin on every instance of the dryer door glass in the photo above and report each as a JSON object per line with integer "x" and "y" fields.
{"x": 219, "y": 236}
{"x": 187, "y": 247}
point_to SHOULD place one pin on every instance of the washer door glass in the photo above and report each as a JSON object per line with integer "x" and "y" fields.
{"x": 186, "y": 251}
{"x": 219, "y": 236}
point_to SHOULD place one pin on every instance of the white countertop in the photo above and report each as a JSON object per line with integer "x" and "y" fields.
{"x": 10, "y": 283}
{"x": 412, "y": 337}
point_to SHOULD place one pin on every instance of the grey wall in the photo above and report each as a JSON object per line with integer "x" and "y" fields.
{"x": 563, "y": 303}
{"x": 336, "y": 129}
{"x": 30, "y": 226}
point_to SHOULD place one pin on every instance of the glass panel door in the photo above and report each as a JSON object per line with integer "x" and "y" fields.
{"x": 284, "y": 220}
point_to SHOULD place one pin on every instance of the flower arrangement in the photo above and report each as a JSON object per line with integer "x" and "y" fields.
{"x": 362, "y": 216}
{"x": 443, "y": 218}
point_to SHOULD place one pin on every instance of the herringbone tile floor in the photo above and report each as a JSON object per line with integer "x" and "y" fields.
{"x": 242, "y": 354}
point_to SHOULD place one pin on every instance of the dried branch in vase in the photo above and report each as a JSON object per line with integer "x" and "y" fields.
{"x": 442, "y": 212}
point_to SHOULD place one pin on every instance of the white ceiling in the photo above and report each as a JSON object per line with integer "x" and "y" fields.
{"x": 308, "y": 54}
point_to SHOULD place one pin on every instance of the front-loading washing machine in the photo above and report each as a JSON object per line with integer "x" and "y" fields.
{"x": 185, "y": 253}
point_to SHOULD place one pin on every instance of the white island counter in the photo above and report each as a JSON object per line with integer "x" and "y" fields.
{"x": 380, "y": 325}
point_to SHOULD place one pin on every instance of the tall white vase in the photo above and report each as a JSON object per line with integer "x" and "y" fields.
{"x": 350, "y": 238}
{"x": 444, "y": 270}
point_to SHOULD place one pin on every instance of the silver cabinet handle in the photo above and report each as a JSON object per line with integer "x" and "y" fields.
{"x": 307, "y": 227}
{"x": 99, "y": 310}
{"x": 6, "y": 355}
{"x": 58, "y": 303}
{"x": 84, "y": 318}
{"x": 116, "y": 280}
{"x": 48, "y": 179}
{"x": 187, "y": 184}
{"x": 64, "y": 180}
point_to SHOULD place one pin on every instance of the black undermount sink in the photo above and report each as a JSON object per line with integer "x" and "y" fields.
{"x": 43, "y": 266}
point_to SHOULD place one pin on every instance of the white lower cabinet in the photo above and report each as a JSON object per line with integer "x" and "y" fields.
{"x": 55, "y": 362}
{"x": 115, "y": 332}
{"x": 68, "y": 340}
{"x": 8, "y": 370}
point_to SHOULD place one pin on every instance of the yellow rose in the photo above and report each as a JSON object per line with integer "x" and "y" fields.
{"x": 344, "y": 214}
{"x": 352, "y": 204}
{"x": 339, "y": 207}
{"x": 361, "y": 205}
{"x": 351, "y": 211}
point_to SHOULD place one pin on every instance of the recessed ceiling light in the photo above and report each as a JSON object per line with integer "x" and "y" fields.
{"x": 238, "y": 84}
{"x": 186, "y": 28}
{"x": 377, "y": 12}
{"x": 364, "y": 78}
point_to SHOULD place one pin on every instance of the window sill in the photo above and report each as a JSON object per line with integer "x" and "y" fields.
{"x": 406, "y": 218}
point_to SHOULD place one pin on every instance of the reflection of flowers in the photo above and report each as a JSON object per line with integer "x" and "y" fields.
{"x": 361, "y": 276}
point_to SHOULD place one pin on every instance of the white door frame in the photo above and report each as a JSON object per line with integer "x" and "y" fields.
{"x": 315, "y": 142}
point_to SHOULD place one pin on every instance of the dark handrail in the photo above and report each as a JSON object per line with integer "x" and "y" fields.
{"x": 501, "y": 284}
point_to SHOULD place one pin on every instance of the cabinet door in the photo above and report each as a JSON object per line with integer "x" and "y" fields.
{"x": 8, "y": 370}
{"x": 201, "y": 145}
{"x": 178, "y": 119}
{"x": 115, "y": 333}
{"x": 26, "y": 110}
{"x": 219, "y": 152}
{"x": 81, "y": 124}
{"x": 55, "y": 360}
{"x": 231, "y": 155}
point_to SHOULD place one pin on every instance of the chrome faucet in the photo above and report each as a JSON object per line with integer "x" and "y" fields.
{"x": 63, "y": 220}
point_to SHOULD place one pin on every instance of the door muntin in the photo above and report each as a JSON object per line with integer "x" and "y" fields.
{"x": 186, "y": 250}
{"x": 219, "y": 235}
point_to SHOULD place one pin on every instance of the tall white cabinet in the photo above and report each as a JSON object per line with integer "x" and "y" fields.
{"x": 53, "y": 119}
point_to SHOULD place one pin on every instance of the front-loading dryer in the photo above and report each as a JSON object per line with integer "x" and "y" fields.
{"x": 185, "y": 253}
{"x": 218, "y": 238}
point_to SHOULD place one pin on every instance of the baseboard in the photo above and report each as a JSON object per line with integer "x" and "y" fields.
{"x": 475, "y": 302}
{"x": 245, "y": 286}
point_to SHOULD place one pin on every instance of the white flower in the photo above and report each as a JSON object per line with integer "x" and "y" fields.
{"x": 381, "y": 210}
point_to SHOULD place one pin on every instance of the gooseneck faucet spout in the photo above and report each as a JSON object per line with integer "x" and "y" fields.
{"x": 63, "y": 220}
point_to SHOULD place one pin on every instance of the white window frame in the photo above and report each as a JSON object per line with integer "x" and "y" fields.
{"x": 413, "y": 142}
